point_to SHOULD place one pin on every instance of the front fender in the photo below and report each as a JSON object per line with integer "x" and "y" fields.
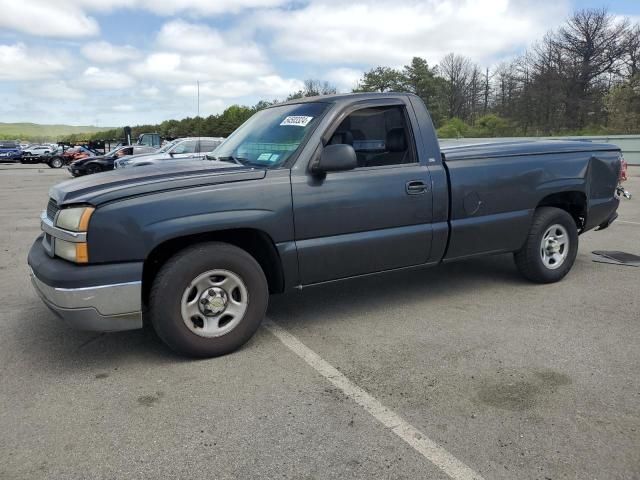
{"x": 129, "y": 229}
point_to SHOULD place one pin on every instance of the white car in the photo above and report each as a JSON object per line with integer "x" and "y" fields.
{"x": 37, "y": 150}
{"x": 187, "y": 148}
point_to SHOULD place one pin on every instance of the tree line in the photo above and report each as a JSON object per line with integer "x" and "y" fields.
{"x": 581, "y": 78}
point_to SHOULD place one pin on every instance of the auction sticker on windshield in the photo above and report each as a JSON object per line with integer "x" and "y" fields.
{"x": 297, "y": 120}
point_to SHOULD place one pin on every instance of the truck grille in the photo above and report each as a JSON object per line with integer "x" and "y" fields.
{"x": 52, "y": 209}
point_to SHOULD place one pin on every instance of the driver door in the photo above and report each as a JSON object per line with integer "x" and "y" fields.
{"x": 376, "y": 217}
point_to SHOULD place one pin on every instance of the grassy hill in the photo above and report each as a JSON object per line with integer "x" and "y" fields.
{"x": 37, "y": 132}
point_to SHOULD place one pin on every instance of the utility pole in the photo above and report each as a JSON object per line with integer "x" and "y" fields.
{"x": 198, "y": 102}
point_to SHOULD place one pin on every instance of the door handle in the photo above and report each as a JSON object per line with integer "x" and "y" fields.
{"x": 416, "y": 187}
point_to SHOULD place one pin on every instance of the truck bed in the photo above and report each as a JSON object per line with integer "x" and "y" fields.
{"x": 458, "y": 150}
{"x": 496, "y": 186}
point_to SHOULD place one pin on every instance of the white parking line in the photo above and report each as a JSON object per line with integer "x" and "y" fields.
{"x": 627, "y": 221}
{"x": 429, "y": 449}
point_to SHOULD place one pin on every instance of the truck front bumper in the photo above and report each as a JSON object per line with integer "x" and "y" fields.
{"x": 104, "y": 298}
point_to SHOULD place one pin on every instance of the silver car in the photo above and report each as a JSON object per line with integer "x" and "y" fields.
{"x": 191, "y": 147}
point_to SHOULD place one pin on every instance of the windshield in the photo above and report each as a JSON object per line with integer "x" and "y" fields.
{"x": 167, "y": 147}
{"x": 271, "y": 136}
{"x": 112, "y": 152}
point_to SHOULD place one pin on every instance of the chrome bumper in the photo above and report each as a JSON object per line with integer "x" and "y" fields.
{"x": 102, "y": 308}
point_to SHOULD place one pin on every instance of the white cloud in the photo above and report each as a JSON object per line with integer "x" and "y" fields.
{"x": 95, "y": 78}
{"x": 245, "y": 57}
{"x": 71, "y": 19}
{"x": 47, "y": 18}
{"x": 267, "y": 86}
{"x": 369, "y": 32}
{"x": 18, "y": 62}
{"x": 189, "y": 52}
{"x": 150, "y": 92}
{"x": 202, "y": 7}
{"x": 105, "y": 52}
{"x": 54, "y": 90}
{"x": 345, "y": 79}
{"x": 122, "y": 108}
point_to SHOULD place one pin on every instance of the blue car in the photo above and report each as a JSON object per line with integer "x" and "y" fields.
{"x": 10, "y": 151}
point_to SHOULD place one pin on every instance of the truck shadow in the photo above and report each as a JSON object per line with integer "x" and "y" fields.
{"x": 60, "y": 347}
{"x": 394, "y": 290}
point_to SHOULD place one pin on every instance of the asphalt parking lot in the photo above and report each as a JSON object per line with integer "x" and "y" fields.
{"x": 514, "y": 380}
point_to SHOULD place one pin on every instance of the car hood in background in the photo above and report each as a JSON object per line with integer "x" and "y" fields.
{"x": 120, "y": 183}
{"x": 82, "y": 161}
{"x": 128, "y": 160}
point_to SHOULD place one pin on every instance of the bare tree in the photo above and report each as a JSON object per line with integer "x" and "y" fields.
{"x": 592, "y": 43}
{"x": 486, "y": 91}
{"x": 456, "y": 71}
{"x": 632, "y": 51}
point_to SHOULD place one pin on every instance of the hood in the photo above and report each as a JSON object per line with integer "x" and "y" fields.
{"x": 120, "y": 183}
{"x": 82, "y": 161}
{"x": 129, "y": 159}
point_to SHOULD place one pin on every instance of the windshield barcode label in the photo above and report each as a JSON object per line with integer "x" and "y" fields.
{"x": 297, "y": 121}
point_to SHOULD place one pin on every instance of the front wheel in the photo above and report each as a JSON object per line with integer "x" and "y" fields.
{"x": 551, "y": 246}
{"x": 56, "y": 162}
{"x": 93, "y": 169}
{"x": 208, "y": 300}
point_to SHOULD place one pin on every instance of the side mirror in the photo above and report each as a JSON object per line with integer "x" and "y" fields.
{"x": 336, "y": 158}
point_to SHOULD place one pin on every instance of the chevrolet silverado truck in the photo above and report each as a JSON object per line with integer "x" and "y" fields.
{"x": 303, "y": 193}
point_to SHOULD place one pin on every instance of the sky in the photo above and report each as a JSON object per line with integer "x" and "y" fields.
{"x": 128, "y": 62}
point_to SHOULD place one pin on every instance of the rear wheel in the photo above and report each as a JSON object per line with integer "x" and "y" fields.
{"x": 208, "y": 300}
{"x": 551, "y": 246}
{"x": 56, "y": 162}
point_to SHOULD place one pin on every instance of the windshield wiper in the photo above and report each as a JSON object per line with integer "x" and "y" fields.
{"x": 228, "y": 158}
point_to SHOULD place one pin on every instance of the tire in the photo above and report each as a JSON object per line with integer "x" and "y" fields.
{"x": 56, "y": 162}
{"x": 551, "y": 246}
{"x": 172, "y": 300}
{"x": 93, "y": 169}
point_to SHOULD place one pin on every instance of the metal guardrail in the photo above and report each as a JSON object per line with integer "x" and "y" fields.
{"x": 629, "y": 144}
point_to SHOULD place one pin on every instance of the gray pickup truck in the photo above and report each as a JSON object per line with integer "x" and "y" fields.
{"x": 303, "y": 193}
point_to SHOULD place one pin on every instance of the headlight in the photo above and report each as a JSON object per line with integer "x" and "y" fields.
{"x": 75, "y": 219}
{"x": 74, "y": 252}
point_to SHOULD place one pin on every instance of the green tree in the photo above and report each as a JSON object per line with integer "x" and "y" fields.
{"x": 453, "y": 128}
{"x": 491, "y": 125}
{"x": 623, "y": 106}
{"x": 382, "y": 79}
{"x": 422, "y": 80}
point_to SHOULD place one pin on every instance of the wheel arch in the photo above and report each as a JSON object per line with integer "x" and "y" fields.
{"x": 254, "y": 241}
{"x": 574, "y": 202}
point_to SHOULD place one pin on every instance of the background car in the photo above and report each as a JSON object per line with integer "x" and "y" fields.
{"x": 10, "y": 151}
{"x": 34, "y": 153}
{"x": 37, "y": 150}
{"x": 60, "y": 158}
{"x": 102, "y": 163}
{"x": 196, "y": 147}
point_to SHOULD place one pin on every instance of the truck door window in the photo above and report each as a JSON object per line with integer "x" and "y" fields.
{"x": 207, "y": 146}
{"x": 188, "y": 146}
{"x": 379, "y": 135}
